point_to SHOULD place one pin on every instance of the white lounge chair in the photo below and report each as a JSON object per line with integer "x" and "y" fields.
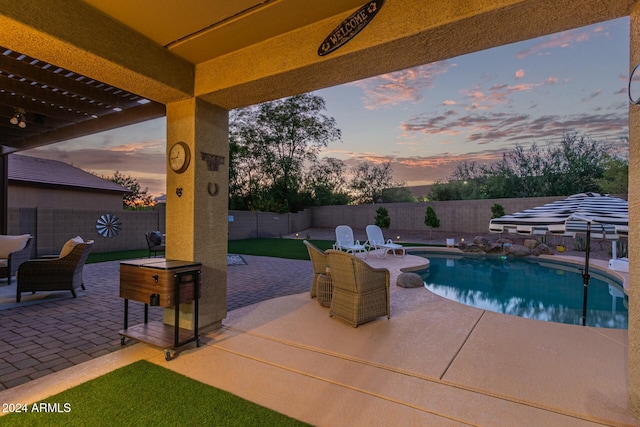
{"x": 345, "y": 241}
{"x": 375, "y": 242}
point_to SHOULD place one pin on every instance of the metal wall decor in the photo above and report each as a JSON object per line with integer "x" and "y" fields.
{"x": 213, "y": 161}
{"x": 350, "y": 27}
{"x": 108, "y": 225}
{"x": 179, "y": 191}
{"x": 634, "y": 95}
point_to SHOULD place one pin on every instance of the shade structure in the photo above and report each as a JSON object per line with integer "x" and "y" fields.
{"x": 598, "y": 216}
{"x": 608, "y": 216}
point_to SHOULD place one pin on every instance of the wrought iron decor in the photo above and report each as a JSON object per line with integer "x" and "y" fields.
{"x": 213, "y": 164}
{"x": 108, "y": 225}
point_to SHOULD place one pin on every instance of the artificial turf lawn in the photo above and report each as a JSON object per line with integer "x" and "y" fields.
{"x": 273, "y": 247}
{"x": 144, "y": 394}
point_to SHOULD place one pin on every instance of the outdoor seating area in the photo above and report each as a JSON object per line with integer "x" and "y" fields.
{"x": 377, "y": 244}
{"x": 416, "y": 367}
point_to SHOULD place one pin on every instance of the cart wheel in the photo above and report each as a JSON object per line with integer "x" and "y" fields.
{"x": 167, "y": 355}
{"x": 121, "y": 340}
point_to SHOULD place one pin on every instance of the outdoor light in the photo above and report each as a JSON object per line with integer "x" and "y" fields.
{"x": 18, "y": 118}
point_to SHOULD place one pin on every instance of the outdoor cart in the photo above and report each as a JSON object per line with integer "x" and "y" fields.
{"x": 165, "y": 283}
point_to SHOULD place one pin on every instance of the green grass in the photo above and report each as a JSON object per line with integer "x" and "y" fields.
{"x": 278, "y": 248}
{"x": 144, "y": 394}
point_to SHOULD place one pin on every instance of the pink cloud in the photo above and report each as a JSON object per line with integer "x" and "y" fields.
{"x": 519, "y": 74}
{"x": 402, "y": 86}
{"x": 563, "y": 40}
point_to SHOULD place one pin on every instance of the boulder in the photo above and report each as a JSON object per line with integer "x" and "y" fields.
{"x": 494, "y": 248}
{"x": 519, "y": 250}
{"x": 481, "y": 241}
{"x": 409, "y": 280}
{"x": 531, "y": 243}
{"x": 542, "y": 249}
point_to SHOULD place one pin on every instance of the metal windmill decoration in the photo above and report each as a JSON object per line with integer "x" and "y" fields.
{"x": 108, "y": 225}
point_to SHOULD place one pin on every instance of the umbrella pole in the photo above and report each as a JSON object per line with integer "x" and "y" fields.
{"x": 585, "y": 275}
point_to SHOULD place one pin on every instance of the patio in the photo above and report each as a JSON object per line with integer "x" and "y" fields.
{"x": 434, "y": 362}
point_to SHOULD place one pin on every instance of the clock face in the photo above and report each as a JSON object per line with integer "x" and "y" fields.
{"x": 179, "y": 157}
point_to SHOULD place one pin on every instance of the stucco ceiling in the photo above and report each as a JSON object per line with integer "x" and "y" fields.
{"x": 198, "y": 30}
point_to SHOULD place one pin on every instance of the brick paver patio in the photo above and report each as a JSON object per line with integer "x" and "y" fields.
{"x": 37, "y": 339}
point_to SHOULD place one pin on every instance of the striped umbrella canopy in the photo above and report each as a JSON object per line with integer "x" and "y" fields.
{"x": 608, "y": 217}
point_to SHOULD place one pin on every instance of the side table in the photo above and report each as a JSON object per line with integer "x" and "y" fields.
{"x": 325, "y": 290}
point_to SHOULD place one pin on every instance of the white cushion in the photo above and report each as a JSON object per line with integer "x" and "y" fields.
{"x": 10, "y": 244}
{"x": 68, "y": 247}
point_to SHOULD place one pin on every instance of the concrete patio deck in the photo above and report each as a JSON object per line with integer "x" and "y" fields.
{"x": 435, "y": 362}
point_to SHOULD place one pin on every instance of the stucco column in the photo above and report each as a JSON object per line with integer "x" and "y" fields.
{"x": 197, "y": 202}
{"x": 634, "y": 225}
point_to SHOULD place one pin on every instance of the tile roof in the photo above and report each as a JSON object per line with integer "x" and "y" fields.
{"x": 34, "y": 170}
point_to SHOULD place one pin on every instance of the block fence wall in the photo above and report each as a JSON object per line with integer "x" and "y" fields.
{"x": 462, "y": 216}
{"x": 53, "y": 227}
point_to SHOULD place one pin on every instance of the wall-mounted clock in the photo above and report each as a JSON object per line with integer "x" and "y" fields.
{"x": 179, "y": 157}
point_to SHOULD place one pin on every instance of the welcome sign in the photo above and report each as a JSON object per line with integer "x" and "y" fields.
{"x": 350, "y": 27}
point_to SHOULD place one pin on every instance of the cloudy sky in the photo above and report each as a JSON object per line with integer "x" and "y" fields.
{"x": 427, "y": 119}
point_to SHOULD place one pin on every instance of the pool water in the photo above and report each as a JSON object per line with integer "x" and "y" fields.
{"x": 538, "y": 289}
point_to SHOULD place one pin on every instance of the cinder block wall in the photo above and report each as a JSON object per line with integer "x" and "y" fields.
{"x": 248, "y": 225}
{"x": 463, "y": 216}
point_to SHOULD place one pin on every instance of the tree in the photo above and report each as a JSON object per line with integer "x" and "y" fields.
{"x": 431, "y": 219}
{"x": 370, "y": 180}
{"x": 271, "y": 144}
{"x": 382, "y": 219}
{"x": 574, "y": 165}
{"x": 138, "y": 198}
{"x": 325, "y": 182}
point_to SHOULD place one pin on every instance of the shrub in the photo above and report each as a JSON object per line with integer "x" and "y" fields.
{"x": 497, "y": 210}
{"x": 382, "y": 219}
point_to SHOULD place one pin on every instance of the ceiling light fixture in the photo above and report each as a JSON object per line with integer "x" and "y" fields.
{"x": 19, "y": 118}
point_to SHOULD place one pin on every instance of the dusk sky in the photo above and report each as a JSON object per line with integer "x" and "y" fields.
{"x": 427, "y": 119}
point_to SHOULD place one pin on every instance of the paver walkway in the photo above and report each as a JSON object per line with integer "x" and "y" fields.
{"x": 37, "y": 339}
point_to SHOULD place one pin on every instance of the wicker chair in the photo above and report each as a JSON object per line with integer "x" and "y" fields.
{"x": 57, "y": 274}
{"x": 319, "y": 263}
{"x": 15, "y": 260}
{"x": 360, "y": 292}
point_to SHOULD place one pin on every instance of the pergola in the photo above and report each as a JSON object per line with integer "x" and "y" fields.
{"x": 197, "y": 60}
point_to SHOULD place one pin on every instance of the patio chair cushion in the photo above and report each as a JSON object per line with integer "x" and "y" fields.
{"x": 69, "y": 245}
{"x": 155, "y": 238}
{"x": 10, "y": 244}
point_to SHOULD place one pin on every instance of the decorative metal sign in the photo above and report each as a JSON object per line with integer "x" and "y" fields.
{"x": 108, "y": 225}
{"x": 350, "y": 27}
{"x": 213, "y": 161}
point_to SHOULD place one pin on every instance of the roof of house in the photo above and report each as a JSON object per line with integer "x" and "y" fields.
{"x": 52, "y": 173}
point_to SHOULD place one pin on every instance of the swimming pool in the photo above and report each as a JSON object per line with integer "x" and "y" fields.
{"x": 534, "y": 288}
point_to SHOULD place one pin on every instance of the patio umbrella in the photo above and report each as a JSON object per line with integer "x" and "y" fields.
{"x": 599, "y": 216}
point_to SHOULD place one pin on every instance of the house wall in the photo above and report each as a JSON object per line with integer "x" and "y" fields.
{"x": 23, "y": 196}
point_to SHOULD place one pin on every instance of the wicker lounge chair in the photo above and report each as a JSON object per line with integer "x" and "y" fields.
{"x": 154, "y": 242}
{"x": 54, "y": 274}
{"x": 319, "y": 263}
{"x": 360, "y": 292}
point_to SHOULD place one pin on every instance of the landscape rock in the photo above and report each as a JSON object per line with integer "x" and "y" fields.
{"x": 481, "y": 241}
{"x": 542, "y": 249}
{"x": 531, "y": 243}
{"x": 494, "y": 248}
{"x": 519, "y": 250}
{"x": 409, "y": 280}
